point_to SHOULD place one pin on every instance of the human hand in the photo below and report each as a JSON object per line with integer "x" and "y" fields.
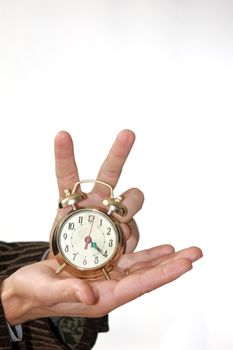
{"x": 35, "y": 291}
{"x": 67, "y": 176}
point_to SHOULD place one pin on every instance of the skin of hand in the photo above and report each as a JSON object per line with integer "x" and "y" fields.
{"x": 35, "y": 291}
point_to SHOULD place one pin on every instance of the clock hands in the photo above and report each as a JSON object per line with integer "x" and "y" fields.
{"x": 94, "y": 245}
{"x": 88, "y": 240}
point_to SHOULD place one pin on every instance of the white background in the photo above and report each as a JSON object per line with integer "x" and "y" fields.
{"x": 163, "y": 69}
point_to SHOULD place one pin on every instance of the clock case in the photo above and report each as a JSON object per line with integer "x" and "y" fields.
{"x": 113, "y": 205}
{"x": 88, "y": 273}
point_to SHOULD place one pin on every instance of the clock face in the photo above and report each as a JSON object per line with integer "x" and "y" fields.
{"x": 88, "y": 239}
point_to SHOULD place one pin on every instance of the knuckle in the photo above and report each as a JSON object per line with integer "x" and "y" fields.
{"x": 67, "y": 177}
{"x": 110, "y": 172}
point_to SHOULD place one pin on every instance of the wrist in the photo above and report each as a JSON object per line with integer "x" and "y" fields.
{"x": 14, "y": 308}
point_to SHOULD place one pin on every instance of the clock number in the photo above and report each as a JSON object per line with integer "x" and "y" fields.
{"x": 65, "y": 235}
{"x": 71, "y": 226}
{"x": 108, "y": 230}
{"x": 74, "y": 256}
{"x": 110, "y": 243}
{"x": 84, "y": 262}
{"x": 96, "y": 260}
{"x": 66, "y": 248}
{"x": 80, "y": 219}
{"x": 101, "y": 222}
{"x": 91, "y": 218}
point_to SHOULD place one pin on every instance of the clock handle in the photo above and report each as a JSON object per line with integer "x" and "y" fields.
{"x": 77, "y": 184}
{"x": 113, "y": 204}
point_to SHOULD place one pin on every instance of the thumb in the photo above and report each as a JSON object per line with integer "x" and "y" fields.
{"x": 72, "y": 290}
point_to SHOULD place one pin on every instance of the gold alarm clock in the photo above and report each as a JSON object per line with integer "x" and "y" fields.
{"x": 88, "y": 241}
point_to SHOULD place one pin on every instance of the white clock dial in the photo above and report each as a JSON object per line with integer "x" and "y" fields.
{"x": 88, "y": 239}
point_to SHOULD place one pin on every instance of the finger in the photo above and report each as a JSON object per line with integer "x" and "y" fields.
{"x": 73, "y": 290}
{"x": 151, "y": 279}
{"x": 66, "y": 168}
{"x": 103, "y": 291}
{"x": 62, "y": 288}
{"x": 112, "y": 166}
{"x": 192, "y": 253}
{"x": 131, "y": 234}
{"x": 133, "y": 200}
{"x": 137, "y": 262}
{"x": 145, "y": 256}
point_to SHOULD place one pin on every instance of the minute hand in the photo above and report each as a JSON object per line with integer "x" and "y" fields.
{"x": 95, "y": 246}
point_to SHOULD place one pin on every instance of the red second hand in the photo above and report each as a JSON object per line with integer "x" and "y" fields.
{"x": 88, "y": 238}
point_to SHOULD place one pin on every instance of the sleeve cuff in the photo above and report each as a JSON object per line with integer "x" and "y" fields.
{"x": 16, "y": 332}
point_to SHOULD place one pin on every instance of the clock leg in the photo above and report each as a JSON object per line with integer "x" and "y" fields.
{"x": 61, "y": 268}
{"x": 106, "y": 275}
